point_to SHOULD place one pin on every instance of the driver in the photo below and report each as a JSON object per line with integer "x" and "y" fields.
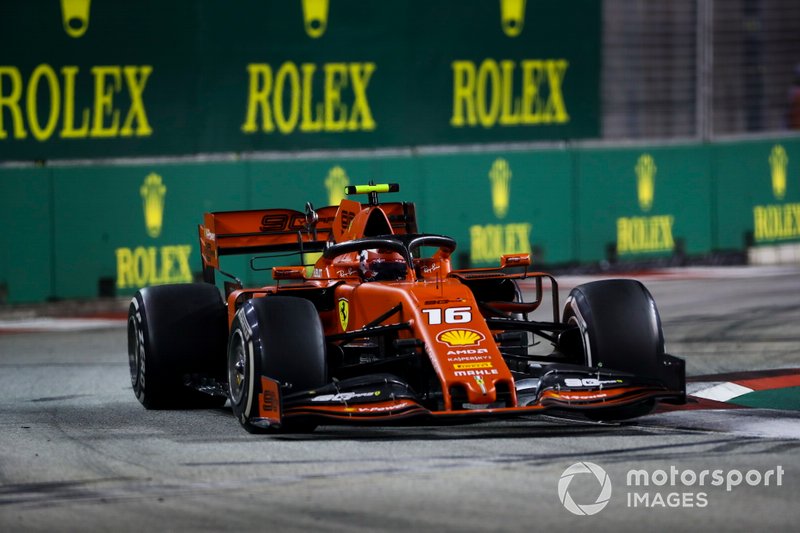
{"x": 382, "y": 265}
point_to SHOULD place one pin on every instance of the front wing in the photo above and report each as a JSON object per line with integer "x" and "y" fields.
{"x": 384, "y": 398}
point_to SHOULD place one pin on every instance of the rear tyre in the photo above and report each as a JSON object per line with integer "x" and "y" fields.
{"x": 175, "y": 331}
{"x": 620, "y": 329}
{"x": 281, "y": 338}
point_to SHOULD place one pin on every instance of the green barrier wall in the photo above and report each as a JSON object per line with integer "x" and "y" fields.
{"x": 84, "y": 231}
{"x": 26, "y": 238}
{"x": 635, "y": 203}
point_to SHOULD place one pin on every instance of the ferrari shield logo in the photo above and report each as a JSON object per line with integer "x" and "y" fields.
{"x": 344, "y": 312}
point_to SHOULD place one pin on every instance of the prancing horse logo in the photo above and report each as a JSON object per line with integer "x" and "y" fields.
{"x": 344, "y": 313}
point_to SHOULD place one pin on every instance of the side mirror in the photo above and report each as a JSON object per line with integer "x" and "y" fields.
{"x": 515, "y": 260}
{"x": 288, "y": 272}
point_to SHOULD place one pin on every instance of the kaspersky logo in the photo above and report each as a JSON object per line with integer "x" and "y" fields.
{"x": 500, "y": 178}
{"x": 153, "y": 192}
{"x": 335, "y": 182}
{"x": 75, "y": 16}
{"x": 315, "y": 17}
{"x": 512, "y": 16}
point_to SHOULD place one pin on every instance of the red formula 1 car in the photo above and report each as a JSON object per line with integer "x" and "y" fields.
{"x": 381, "y": 328}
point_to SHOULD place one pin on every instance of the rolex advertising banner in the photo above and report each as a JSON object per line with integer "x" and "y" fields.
{"x": 107, "y": 229}
{"x": 637, "y": 204}
{"x": 758, "y": 186}
{"x": 98, "y": 78}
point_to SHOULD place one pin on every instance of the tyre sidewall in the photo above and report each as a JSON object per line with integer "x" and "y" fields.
{"x": 620, "y": 326}
{"x": 173, "y": 331}
{"x": 283, "y": 340}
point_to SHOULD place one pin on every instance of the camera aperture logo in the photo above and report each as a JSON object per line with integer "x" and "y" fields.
{"x": 665, "y": 488}
{"x": 581, "y": 469}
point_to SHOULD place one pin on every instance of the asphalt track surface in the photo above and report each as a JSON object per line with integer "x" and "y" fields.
{"x": 79, "y": 453}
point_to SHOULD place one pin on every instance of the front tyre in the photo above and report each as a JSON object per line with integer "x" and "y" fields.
{"x": 619, "y": 325}
{"x": 619, "y": 329}
{"x": 280, "y": 338}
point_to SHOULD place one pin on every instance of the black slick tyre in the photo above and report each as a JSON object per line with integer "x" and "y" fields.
{"x": 620, "y": 329}
{"x": 175, "y": 331}
{"x": 280, "y": 338}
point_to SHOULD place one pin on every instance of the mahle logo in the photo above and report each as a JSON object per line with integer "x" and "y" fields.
{"x": 500, "y": 177}
{"x": 335, "y": 182}
{"x": 315, "y": 17}
{"x": 512, "y": 16}
{"x": 778, "y": 161}
{"x": 583, "y": 469}
{"x": 153, "y": 192}
{"x": 645, "y": 181}
{"x": 75, "y": 16}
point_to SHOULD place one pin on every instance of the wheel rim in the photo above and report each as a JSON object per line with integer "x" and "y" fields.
{"x": 237, "y": 364}
{"x": 134, "y": 351}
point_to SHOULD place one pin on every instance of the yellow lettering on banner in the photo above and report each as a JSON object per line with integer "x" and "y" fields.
{"x": 309, "y": 122}
{"x": 509, "y": 114}
{"x": 556, "y": 108}
{"x": 287, "y": 70}
{"x": 335, "y": 111}
{"x": 463, "y": 89}
{"x": 488, "y": 243}
{"x": 488, "y": 95}
{"x": 141, "y": 267}
{"x": 104, "y": 100}
{"x": 46, "y": 71}
{"x": 68, "y": 130}
{"x": 43, "y": 94}
{"x": 257, "y": 99}
{"x": 531, "y": 102}
{"x": 10, "y": 100}
{"x": 488, "y": 73}
{"x": 343, "y": 105}
{"x": 136, "y": 79}
{"x": 645, "y": 234}
{"x": 776, "y": 222}
{"x": 361, "y": 116}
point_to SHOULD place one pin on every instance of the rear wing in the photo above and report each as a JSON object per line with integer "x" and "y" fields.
{"x": 285, "y": 230}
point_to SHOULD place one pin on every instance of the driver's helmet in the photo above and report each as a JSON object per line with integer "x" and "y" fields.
{"x": 382, "y": 265}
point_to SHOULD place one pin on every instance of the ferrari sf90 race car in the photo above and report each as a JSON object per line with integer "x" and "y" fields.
{"x": 370, "y": 323}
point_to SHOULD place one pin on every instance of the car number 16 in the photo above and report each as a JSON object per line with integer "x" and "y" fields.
{"x": 452, "y": 315}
